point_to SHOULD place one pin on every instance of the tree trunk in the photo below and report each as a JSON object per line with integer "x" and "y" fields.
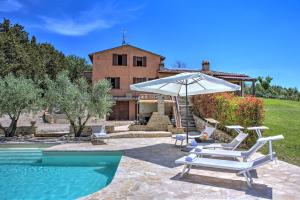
{"x": 79, "y": 131}
{"x": 74, "y": 127}
{"x": 11, "y": 130}
{"x": 81, "y": 125}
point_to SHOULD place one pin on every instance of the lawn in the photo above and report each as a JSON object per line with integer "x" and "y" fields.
{"x": 283, "y": 117}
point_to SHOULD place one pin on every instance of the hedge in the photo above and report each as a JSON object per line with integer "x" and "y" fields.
{"x": 230, "y": 109}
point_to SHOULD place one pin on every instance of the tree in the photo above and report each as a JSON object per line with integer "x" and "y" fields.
{"x": 17, "y": 95}
{"x": 265, "y": 82}
{"x": 179, "y": 65}
{"x": 76, "y": 66}
{"x": 78, "y": 100}
{"x": 13, "y": 47}
{"x": 24, "y": 57}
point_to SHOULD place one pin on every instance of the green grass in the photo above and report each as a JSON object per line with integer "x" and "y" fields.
{"x": 283, "y": 117}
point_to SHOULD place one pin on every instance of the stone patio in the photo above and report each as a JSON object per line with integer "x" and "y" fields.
{"x": 147, "y": 171}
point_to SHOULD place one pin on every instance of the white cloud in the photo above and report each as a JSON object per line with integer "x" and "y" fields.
{"x": 10, "y": 5}
{"x": 72, "y": 27}
{"x": 99, "y": 16}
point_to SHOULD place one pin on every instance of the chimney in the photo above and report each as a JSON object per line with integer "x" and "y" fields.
{"x": 205, "y": 65}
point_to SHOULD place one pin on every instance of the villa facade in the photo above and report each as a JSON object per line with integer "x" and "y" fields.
{"x": 127, "y": 64}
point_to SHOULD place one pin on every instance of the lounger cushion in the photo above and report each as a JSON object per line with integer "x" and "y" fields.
{"x": 209, "y": 145}
{"x": 216, "y": 163}
{"x": 100, "y": 135}
{"x": 224, "y": 153}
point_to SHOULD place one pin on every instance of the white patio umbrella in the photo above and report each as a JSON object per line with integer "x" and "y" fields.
{"x": 186, "y": 84}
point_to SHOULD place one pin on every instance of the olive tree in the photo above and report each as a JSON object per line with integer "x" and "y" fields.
{"x": 79, "y": 101}
{"x": 17, "y": 95}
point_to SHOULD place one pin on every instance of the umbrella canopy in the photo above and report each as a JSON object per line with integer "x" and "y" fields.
{"x": 186, "y": 84}
{"x": 194, "y": 83}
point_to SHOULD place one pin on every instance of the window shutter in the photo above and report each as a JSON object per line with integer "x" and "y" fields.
{"x": 118, "y": 83}
{"x": 144, "y": 61}
{"x": 115, "y": 59}
{"x": 134, "y": 60}
{"x": 124, "y": 60}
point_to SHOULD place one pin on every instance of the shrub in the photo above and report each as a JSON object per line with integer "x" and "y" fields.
{"x": 200, "y": 100}
{"x": 250, "y": 111}
{"x": 230, "y": 109}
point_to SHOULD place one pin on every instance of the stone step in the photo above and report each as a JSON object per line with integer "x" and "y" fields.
{"x": 17, "y": 160}
{"x": 140, "y": 134}
{"x": 187, "y": 119}
{"x": 191, "y": 118}
{"x": 52, "y": 134}
{"x": 191, "y": 129}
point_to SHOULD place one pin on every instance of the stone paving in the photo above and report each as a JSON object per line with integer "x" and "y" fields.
{"x": 147, "y": 171}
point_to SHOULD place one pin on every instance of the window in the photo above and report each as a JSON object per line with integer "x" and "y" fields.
{"x": 119, "y": 59}
{"x": 114, "y": 81}
{"x": 139, "y": 80}
{"x": 139, "y": 61}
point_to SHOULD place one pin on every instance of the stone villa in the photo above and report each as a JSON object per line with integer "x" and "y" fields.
{"x": 127, "y": 64}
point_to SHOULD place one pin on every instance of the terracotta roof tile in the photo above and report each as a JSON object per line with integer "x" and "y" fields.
{"x": 223, "y": 75}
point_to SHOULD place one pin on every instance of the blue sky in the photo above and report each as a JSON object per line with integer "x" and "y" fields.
{"x": 257, "y": 37}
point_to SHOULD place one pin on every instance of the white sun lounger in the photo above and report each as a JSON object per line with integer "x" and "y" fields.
{"x": 235, "y": 166}
{"x": 245, "y": 155}
{"x": 99, "y": 134}
{"x": 181, "y": 137}
{"x": 258, "y": 130}
{"x": 208, "y": 130}
{"x": 228, "y": 146}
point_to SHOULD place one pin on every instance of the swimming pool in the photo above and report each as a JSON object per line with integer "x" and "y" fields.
{"x": 30, "y": 173}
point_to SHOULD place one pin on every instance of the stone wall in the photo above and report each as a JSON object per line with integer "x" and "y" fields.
{"x": 55, "y": 118}
{"x": 157, "y": 122}
{"x": 218, "y": 134}
{"x": 137, "y": 127}
{"x": 175, "y": 130}
{"x": 24, "y": 130}
{"x": 87, "y": 131}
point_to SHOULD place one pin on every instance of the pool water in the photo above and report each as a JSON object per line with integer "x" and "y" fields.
{"x": 29, "y": 173}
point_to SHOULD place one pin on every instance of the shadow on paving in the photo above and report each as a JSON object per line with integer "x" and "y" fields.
{"x": 161, "y": 154}
{"x": 257, "y": 190}
{"x": 165, "y": 154}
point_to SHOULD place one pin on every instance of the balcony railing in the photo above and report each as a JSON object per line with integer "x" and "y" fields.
{"x": 149, "y": 96}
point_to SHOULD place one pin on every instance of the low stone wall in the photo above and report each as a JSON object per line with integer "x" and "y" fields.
{"x": 171, "y": 129}
{"x": 24, "y": 130}
{"x": 55, "y": 118}
{"x": 87, "y": 131}
{"x": 175, "y": 130}
{"x": 218, "y": 134}
{"x": 136, "y": 127}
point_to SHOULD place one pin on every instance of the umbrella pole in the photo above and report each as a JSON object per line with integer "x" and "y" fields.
{"x": 186, "y": 114}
